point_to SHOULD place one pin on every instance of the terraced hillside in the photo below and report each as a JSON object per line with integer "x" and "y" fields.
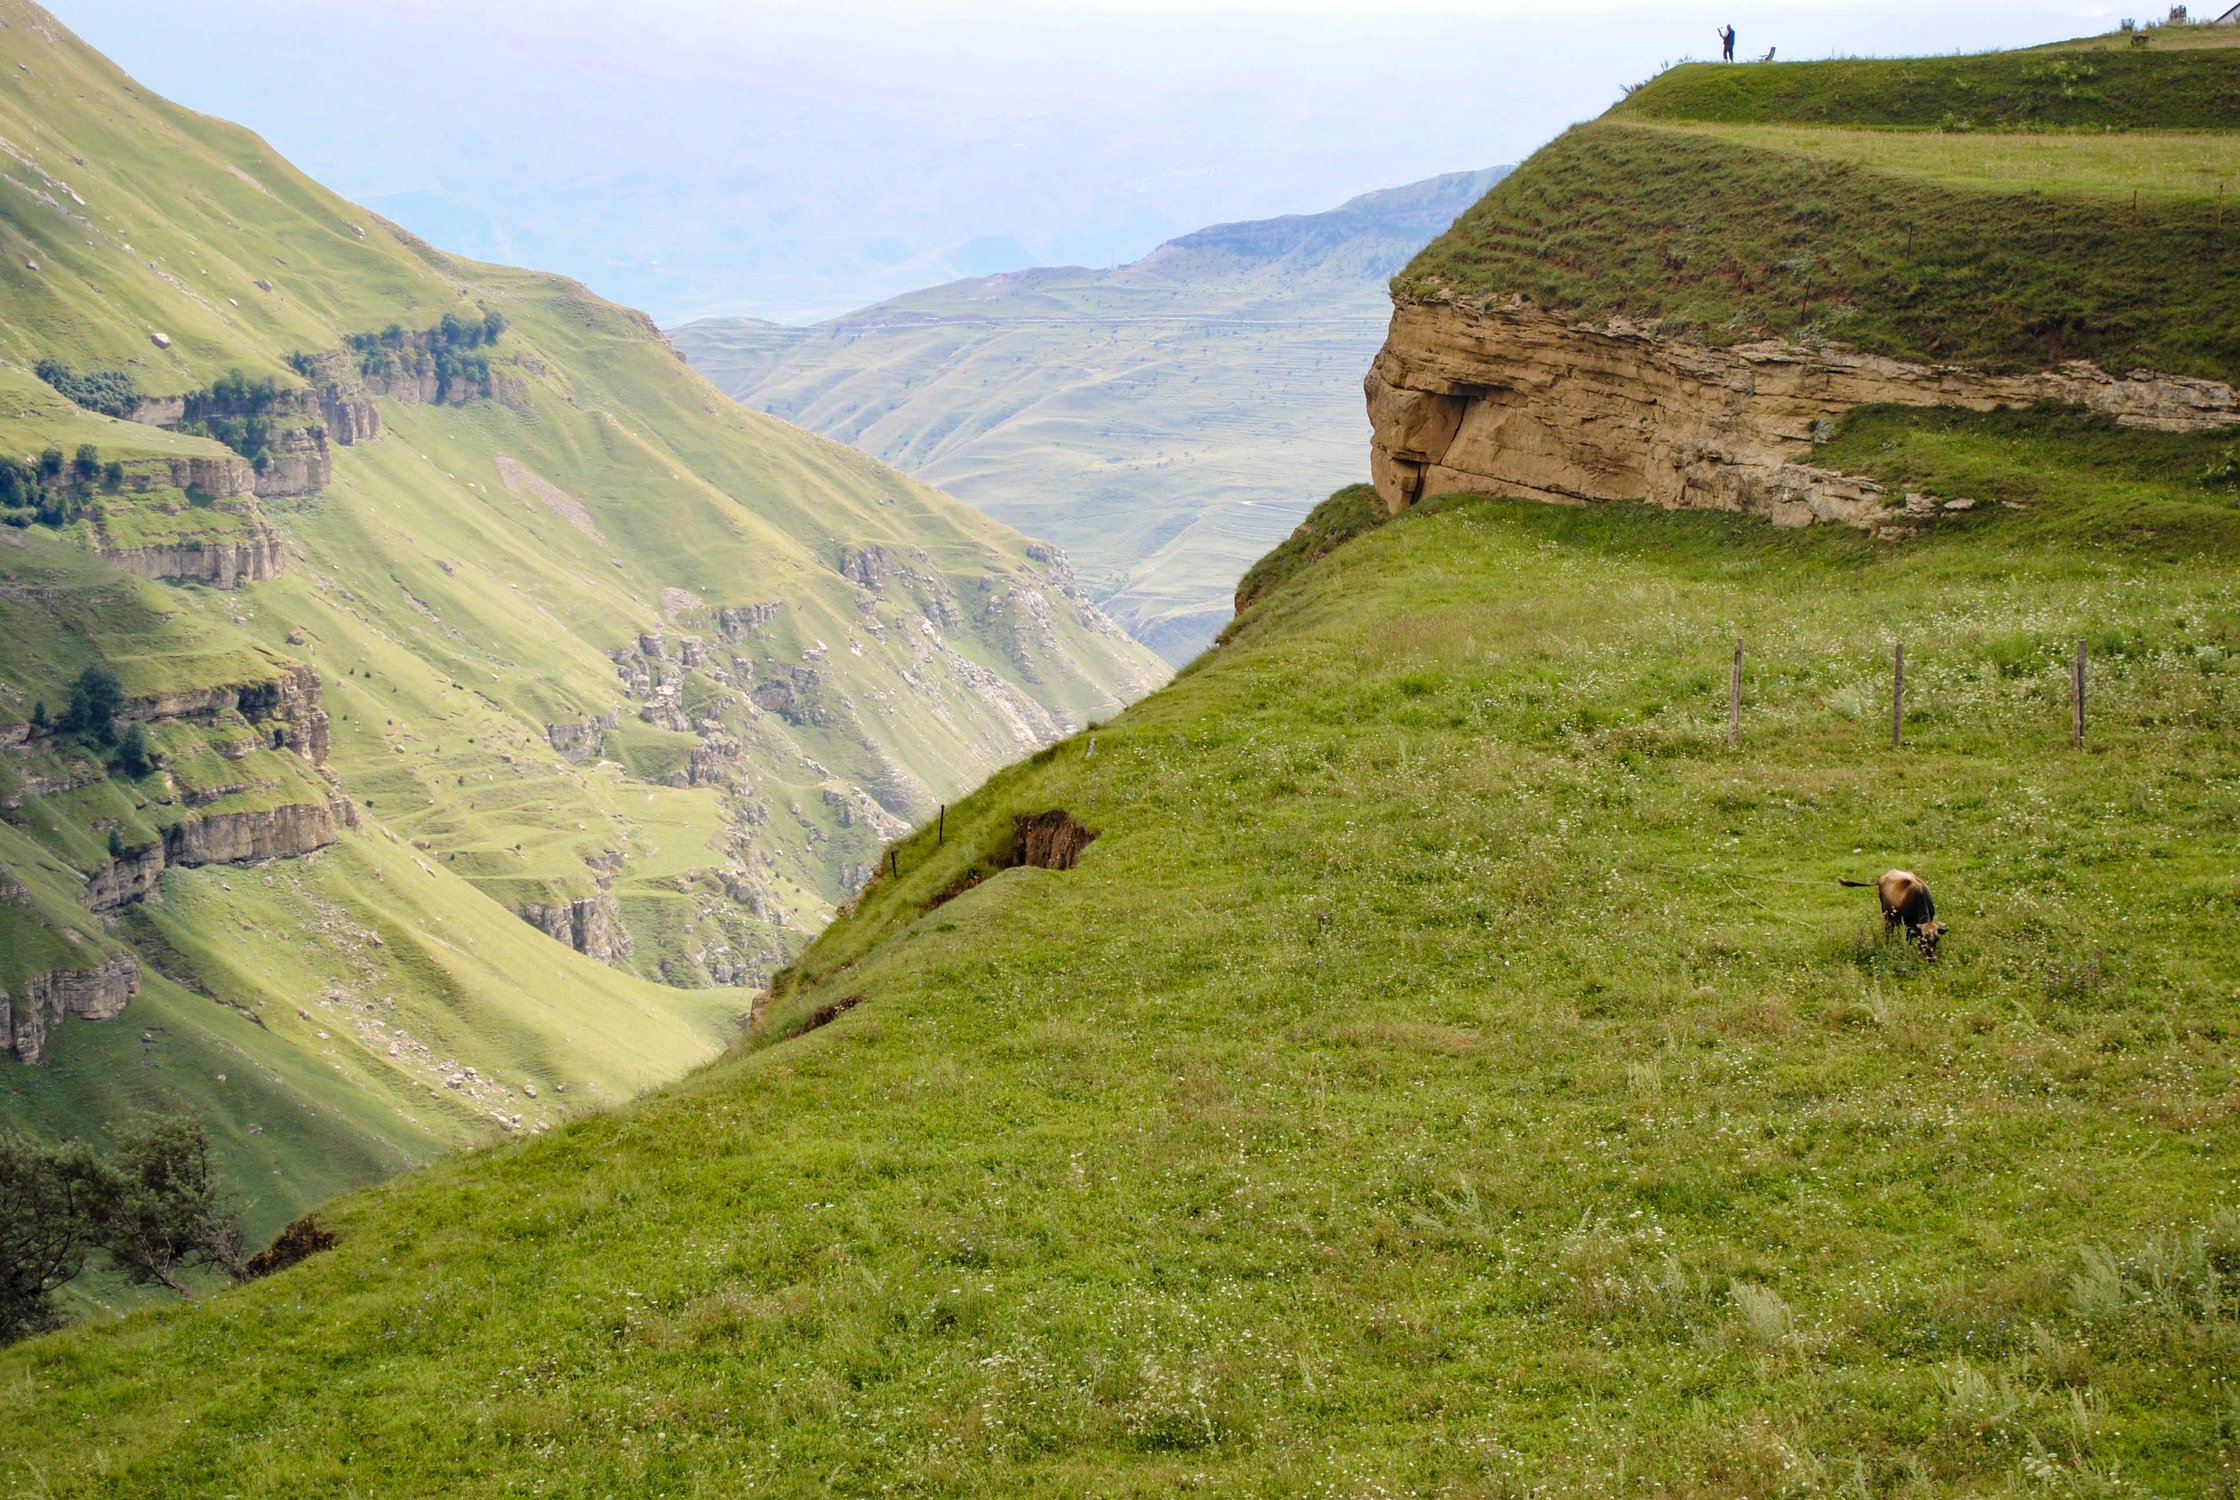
{"x": 1165, "y": 421}
{"x": 563, "y": 697}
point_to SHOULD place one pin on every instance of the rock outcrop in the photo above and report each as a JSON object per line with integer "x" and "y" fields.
{"x": 591, "y": 926}
{"x": 223, "y": 563}
{"x": 1519, "y": 401}
{"x": 217, "y": 478}
{"x": 285, "y": 706}
{"x": 349, "y": 414}
{"x": 581, "y": 741}
{"x": 232, "y": 838}
{"x": 736, "y": 622}
{"x": 127, "y": 878}
{"x": 866, "y": 567}
{"x": 300, "y": 465}
{"x": 40, "y": 1002}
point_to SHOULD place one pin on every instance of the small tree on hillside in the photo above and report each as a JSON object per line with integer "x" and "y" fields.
{"x": 50, "y": 1206}
{"x": 167, "y": 1213}
{"x": 133, "y": 755}
{"x": 96, "y": 698}
{"x": 86, "y": 467}
{"x": 50, "y": 465}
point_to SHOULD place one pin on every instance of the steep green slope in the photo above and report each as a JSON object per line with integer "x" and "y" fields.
{"x": 566, "y": 634}
{"x": 1970, "y": 210}
{"x": 1450, "y": 1069}
{"x": 1160, "y": 421}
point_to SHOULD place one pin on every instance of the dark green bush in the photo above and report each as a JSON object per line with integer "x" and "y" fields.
{"x": 96, "y": 698}
{"x": 111, "y": 392}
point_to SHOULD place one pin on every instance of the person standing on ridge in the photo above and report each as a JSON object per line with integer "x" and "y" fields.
{"x": 1726, "y": 42}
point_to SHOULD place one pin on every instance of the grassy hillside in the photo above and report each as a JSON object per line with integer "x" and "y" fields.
{"x": 1972, "y": 210}
{"x": 590, "y": 637}
{"x": 1160, "y": 421}
{"x": 1450, "y": 1069}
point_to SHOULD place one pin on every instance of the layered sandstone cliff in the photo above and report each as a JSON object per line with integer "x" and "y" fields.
{"x": 1519, "y": 401}
{"x": 40, "y": 1002}
{"x": 249, "y": 837}
{"x": 299, "y": 465}
{"x": 285, "y": 706}
{"x": 221, "y": 562}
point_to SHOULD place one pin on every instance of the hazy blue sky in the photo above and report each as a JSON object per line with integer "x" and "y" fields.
{"x": 793, "y": 160}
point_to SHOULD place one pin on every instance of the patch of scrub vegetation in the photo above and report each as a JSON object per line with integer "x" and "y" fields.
{"x": 449, "y": 352}
{"x": 53, "y": 489}
{"x": 1450, "y": 1069}
{"x": 1732, "y": 204}
{"x": 110, "y": 392}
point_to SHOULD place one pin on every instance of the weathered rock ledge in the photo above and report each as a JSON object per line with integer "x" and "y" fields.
{"x": 591, "y": 926}
{"x": 40, "y": 1002}
{"x": 236, "y": 838}
{"x": 1519, "y": 401}
{"x": 284, "y": 706}
{"x": 223, "y": 564}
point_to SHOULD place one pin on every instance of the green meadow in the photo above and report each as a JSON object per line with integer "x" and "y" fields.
{"x": 1452, "y": 1068}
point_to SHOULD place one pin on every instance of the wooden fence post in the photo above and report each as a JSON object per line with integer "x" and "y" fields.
{"x": 2076, "y": 684}
{"x": 1898, "y": 698}
{"x": 1734, "y": 698}
{"x": 941, "y": 826}
{"x": 894, "y": 864}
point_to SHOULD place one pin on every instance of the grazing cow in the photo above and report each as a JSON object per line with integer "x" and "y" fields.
{"x": 1905, "y": 899}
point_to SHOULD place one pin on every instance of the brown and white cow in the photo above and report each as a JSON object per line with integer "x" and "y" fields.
{"x": 1905, "y": 899}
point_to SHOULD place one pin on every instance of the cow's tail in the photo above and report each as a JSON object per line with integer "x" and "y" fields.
{"x": 1863, "y": 885}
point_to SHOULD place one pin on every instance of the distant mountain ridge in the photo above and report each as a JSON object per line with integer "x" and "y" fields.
{"x": 1166, "y": 421}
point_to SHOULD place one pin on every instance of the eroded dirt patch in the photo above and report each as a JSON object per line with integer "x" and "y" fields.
{"x": 1050, "y": 840}
{"x": 523, "y": 480}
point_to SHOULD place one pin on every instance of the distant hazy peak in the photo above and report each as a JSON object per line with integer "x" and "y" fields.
{"x": 1416, "y": 210}
{"x": 1449, "y": 190}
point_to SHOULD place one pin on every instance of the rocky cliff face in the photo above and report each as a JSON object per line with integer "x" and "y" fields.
{"x": 301, "y": 465}
{"x": 223, "y": 564}
{"x": 581, "y": 741}
{"x": 285, "y": 706}
{"x": 592, "y": 926}
{"x": 40, "y": 1002}
{"x": 349, "y": 414}
{"x": 198, "y": 829}
{"x": 218, "y": 478}
{"x": 127, "y": 878}
{"x": 266, "y": 833}
{"x": 1518, "y": 401}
